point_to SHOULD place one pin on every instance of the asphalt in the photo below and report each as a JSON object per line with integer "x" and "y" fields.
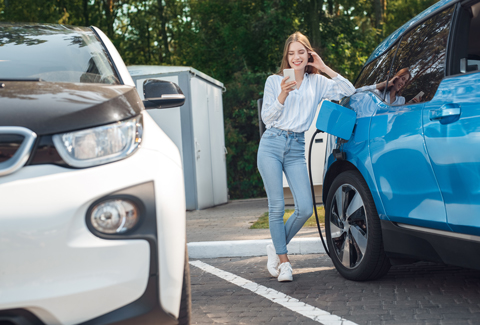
{"x": 223, "y": 231}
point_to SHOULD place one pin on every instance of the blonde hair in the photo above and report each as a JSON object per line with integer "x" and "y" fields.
{"x": 400, "y": 73}
{"x": 302, "y": 39}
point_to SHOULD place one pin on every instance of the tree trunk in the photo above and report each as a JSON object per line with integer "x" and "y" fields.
{"x": 378, "y": 5}
{"x": 85, "y": 12}
{"x": 330, "y": 5}
{"x": 315, "y": 7}
{"x": 109, "y": 17}
{"x": 165, "y": 54}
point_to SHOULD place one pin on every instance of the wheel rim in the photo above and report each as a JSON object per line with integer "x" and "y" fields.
{"x": 348, "y": 226}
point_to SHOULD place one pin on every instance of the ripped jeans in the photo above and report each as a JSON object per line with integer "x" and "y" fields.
{"x": 284, "y": 151}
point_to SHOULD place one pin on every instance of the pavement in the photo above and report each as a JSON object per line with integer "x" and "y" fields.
{"x": 237, "y": 289}
{"x": 417, "y": 294}
{"x": 223, "y": 231}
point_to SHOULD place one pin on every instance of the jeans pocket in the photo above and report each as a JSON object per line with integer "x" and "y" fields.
{"x": 300, "y": 140}
{"x": 269, "y": 134}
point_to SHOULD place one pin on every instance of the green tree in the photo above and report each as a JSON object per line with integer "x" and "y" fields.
{"x": 237, "y": 42}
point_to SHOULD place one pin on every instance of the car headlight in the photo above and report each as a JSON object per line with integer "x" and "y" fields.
{"x": 100, "y": 145}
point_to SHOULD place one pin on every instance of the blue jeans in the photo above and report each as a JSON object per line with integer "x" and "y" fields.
{"x": 284, "y": 151}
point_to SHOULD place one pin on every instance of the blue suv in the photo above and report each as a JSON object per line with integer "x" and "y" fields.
{"x": 406, "y": 185}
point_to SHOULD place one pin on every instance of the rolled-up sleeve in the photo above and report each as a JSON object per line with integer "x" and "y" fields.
{"x": 366, "y": 88}
{"x": 271, "y": 107}
{"x": 337, "y": 88}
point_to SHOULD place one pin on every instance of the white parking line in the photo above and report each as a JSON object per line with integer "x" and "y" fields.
{"x": 291, "y": 303}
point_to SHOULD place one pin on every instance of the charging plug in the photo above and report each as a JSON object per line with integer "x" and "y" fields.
{"x": 339, "y": 155}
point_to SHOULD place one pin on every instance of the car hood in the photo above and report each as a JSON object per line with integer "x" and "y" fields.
{"x": 49, "y": 108}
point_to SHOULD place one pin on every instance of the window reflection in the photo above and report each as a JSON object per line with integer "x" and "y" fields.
{"x": 53, "y": 53}
{"x": 377, "y": 71}
{"x": 422, "y": 50}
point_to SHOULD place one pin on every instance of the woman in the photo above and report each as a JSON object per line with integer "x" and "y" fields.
{"x": 394, "y": 88}
{"x": 289, "y": 108}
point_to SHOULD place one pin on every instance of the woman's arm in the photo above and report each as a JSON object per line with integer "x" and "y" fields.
{"x": 366, "y": 88}
{"x": 271, "y": 107}
{"x": 337, "y": 87}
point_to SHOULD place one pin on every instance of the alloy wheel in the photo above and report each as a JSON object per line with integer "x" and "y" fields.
{"x": 348, "y": 226}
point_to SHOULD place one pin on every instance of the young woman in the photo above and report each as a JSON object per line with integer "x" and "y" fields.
{"x": 289, "y": 107}
{"x": 394, "y": 88}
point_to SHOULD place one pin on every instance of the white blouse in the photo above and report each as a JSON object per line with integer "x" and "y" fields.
{"x": 399, "y": 100}
{"x": 298, "y": 111}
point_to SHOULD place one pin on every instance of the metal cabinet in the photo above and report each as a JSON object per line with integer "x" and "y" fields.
{"x": 197, "y": 128}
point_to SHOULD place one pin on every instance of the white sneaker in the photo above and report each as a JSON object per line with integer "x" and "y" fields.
{"x": 285, "y": 270}
{"x": 273, "y": 261}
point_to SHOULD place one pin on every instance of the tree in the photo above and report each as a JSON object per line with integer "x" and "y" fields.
{"x": 237, "y": 42}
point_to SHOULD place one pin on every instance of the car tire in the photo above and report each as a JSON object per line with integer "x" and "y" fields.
{"x": 184, "y": 316}
{"x": 353, "y": 231}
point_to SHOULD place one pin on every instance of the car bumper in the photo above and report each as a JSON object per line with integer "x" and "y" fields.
{"x": 54, "y": 267}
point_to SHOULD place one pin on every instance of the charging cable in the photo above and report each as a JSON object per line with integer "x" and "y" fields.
{"x": 313, "y": 190}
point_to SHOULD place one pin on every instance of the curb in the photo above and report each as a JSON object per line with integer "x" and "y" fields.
{"x": 246, "y": 248}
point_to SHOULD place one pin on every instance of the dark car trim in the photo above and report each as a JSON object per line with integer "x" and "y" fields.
{"x": 146, "y": 229}
{"x": 19, "y": 316}
{"x": 148, "y": 305}
{"x": 70, "y": 107}
{"x": 45, "y": 152}
{"x": 410, "y": 242}
{"x": 108, "y": 54}
{"x": 441, "y": 232}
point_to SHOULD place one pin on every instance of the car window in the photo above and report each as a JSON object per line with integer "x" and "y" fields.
{"x": 376, "y": 72}
{"x": 53, "y": 53}
{"x": 464, "y": 52}
{"x": 473, "y": 56}
{"x": 422, "y": 53}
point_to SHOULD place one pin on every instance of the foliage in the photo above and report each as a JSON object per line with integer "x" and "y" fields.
{"x": 262, "y": 222}
{"x": 237, "y": 42}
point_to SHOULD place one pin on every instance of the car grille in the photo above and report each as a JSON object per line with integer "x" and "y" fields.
{"x": 9, "y": 144}
{"x": 16, "y": 145}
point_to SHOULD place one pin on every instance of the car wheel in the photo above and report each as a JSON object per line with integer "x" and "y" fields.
{"x": 186, "y": 301}
{"x": 352, "y": 225}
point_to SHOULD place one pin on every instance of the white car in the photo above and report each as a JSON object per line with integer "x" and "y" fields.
{"x": 92, "y": 200}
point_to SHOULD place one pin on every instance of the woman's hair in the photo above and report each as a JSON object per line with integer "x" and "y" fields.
{"x": 296, "y": 37}
{"x": 400, "y": 73}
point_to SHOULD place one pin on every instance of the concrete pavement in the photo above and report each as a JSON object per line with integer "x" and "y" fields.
{"x": 223, "y": 231}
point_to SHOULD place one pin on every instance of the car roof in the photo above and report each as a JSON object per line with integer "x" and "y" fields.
{"x": 396, "y": 34}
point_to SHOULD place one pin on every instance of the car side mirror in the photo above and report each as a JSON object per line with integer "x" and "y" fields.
{"x": 162, "y": 94}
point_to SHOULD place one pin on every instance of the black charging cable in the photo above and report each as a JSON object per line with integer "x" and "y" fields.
{"x": 313, "y": 190}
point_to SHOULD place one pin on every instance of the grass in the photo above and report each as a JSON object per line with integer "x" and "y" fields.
{"x": 262, "y": 222}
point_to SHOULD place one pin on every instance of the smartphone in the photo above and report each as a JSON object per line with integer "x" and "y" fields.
{"x": 289, "y": 73}
{"x": 419, "y": 95}
{"x": 310, "y": 58}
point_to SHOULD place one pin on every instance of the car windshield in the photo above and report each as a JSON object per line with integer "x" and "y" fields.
{"x": 53, "y": 53}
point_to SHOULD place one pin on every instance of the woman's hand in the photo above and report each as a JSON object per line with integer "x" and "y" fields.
{"x": 287, "y": 87}
{"x": 317, "y": 61}
{"x": 390, "y": 83}
{"x": 320, "y": 65}
{"x": 417, "y": 99}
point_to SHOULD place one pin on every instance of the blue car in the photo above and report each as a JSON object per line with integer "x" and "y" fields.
{"x": 405, "y": 186}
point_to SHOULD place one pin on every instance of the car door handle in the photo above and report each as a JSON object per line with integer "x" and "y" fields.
{"x": 446, "y": 110}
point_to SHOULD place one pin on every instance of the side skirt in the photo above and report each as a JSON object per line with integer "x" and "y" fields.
{"x": 402, "y": 241}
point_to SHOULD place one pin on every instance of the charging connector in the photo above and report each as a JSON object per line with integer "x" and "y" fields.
{"x": 313, "y": 190}
{"x": 339, "y": 155}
